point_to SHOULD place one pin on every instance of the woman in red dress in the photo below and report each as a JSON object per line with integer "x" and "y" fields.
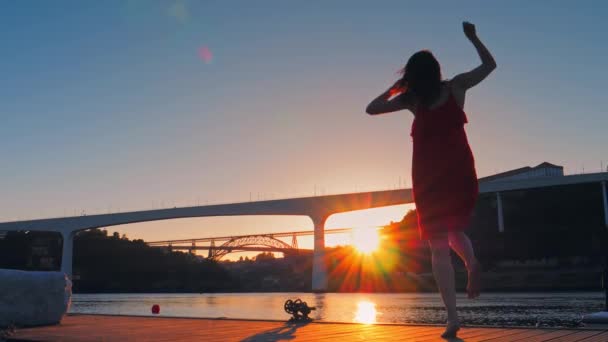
{"x": 443, "y": 168}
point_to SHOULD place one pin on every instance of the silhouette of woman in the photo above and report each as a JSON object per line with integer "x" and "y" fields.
{"x": 443, "y": 168}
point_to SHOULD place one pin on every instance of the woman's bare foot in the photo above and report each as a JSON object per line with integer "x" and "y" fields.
{"x": 450, "y": 330}
{"x": 474, "y": 280}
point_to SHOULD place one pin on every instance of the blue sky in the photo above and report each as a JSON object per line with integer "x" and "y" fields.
{"x": 106, "y": 105}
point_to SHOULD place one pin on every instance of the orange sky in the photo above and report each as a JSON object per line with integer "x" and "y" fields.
{"x": 243, "y": 225}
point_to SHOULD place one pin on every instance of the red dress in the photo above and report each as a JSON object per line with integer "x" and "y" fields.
{"x": 443, "y": 170}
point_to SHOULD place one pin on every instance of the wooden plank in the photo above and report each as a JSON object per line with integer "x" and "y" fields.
{"x": 349, "y": 332}
{"x": 419, "y": 335}
{"x": 603, "y": 337}
{"x": 111, "y": 328}
{"x": 525, "y": 336}
{"x": 579, "y": 335}
{"x": 319, "y": 331}
{"x": 426, "y": 334}
{"x": 548, "y": 336}
{"x": 467, "y": 333}
{"x": 493, "y": 333}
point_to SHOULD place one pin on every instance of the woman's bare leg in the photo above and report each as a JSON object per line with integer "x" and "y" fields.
{"x": 444, "y": 276}
{"x": 461, "y": 244}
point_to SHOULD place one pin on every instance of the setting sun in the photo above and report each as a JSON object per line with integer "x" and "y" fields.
{"x": 365, "y": 240}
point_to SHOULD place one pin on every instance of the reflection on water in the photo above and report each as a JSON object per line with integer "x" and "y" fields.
{"x": 366, "y": 312}
{"x": 506, "y": 309}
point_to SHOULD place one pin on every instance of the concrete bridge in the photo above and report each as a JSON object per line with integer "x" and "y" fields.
{"x": 317, "y": 208}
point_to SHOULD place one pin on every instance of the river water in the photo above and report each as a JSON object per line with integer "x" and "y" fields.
{"x": 502, "y": 309}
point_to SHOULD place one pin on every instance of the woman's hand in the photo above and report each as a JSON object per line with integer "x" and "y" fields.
{"x": 470, "y": 79}
{"x": 398, "y": 87}
{"x": 469, "y": 30}
{"x": 393, "y": 99}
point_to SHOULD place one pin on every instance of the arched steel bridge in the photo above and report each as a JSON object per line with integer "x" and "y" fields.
{"x": 242, "y": 243}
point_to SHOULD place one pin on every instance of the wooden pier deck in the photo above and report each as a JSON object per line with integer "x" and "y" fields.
{"x": 132, "y": 328}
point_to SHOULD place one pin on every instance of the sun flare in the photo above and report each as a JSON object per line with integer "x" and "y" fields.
{"x": 365, "y": 240}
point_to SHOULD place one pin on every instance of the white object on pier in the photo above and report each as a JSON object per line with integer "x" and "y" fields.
{"x": 33, "y": 298}
{"x": 596, "y": 320}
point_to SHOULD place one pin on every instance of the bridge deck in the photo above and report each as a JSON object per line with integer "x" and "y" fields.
{"x": 129, "y": 328}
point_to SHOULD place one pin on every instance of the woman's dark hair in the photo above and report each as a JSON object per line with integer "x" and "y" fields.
{"x": 422, "y": 77}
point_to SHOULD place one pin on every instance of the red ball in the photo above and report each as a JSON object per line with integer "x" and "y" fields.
{"x": 155, "y": 309}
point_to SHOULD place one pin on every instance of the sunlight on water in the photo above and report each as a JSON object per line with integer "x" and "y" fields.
{"x": 551, "y": 309}
{"x": 366, "y": 312}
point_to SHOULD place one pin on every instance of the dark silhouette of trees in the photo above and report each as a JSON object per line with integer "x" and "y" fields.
{"x": 265, "y": 256}
{"x": 118, "y": 264}
{"x": 105, "y": 263}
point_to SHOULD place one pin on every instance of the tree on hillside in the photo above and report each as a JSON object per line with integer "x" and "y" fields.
{"x": 264, "y": 256}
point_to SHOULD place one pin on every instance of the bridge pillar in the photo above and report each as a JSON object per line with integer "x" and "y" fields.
{"x": 294, "y": 242}
{"x": 211, "y": 251}
{"x": 501, "y": 220}
{"x": 67, "y": 252}
{"x": 319, "y": 268}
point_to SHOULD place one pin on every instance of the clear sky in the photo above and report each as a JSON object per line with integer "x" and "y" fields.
{"x": 126, "y": 105}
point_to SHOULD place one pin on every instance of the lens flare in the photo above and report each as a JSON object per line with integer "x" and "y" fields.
{"x": 179, "y": 12}
{"x": 204, "y": 53}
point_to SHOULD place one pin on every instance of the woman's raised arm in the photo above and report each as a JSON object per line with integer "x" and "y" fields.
{"x": 472, "y": 78}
